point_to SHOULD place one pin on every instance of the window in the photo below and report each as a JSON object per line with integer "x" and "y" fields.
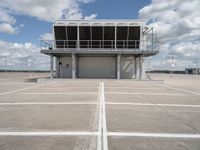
{"x": 85, "y": 37}
{"x": 134, "y": 37}
{"x": 109, "y": 37}
{"x": 97, "y": 37}
{"x": 60, "y": 36}
{"x": 71, "y": 37}
{"x": 122, "y": 35}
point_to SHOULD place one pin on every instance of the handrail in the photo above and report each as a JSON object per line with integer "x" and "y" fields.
{"x": 143, "y": 45}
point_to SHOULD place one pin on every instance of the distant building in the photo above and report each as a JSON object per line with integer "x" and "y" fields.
{"x": 100, "y": 48}
{"x": 192, "y": 70}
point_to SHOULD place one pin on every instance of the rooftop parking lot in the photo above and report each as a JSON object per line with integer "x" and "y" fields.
{"x": 99, "y": 114}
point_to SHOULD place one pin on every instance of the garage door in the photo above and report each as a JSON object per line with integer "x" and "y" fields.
{"x": 97, "y": 67}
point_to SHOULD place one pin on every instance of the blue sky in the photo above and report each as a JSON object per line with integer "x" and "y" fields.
{"x": 31, "y": 31}
{"x": 34, "y": 28}
{"x": 109, "y": 9}
{"x": 177, "y": 23}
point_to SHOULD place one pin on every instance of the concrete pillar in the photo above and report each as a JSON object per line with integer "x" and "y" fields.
{"x": 118, "y": 66}
{"x": 57, "y": 67}
{"x": 142, "y": 69}
{"x": 51, "y": 66}
{"x": 137, "y": 73}
{"x": 73, "y": 66}
{"x": 77, "y": 67}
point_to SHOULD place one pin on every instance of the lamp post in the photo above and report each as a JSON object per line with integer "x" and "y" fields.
{"x": 29, "y": 66}
{"x": 172, "y": 57}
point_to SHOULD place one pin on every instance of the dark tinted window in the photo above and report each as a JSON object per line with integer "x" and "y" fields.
{"x": 60, "y": 36}
{"x": 134, "y": 37}
{"x": 122, "y": 36}
{"x": 97, "y": 37}
{"x": 109, "y": 37}
{"x": 85, "y": 37}
{"x": 72, "y": 37}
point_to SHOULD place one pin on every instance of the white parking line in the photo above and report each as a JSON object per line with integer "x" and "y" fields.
{"x": 61, "y": 133}
{"x": 59, "y": 93}
{"x": 105, "y": 136}
{"x": 23, "y": 89}
{"x": 150, "y": 104}
{"x": 99, "y": 140}
{"x": 156, "y": 94}
{"x": 49, "y": 103}
{"x": 102, "y": 143}
{"x": 116, "y": 134}
{"x": 159, "y": 135}
{"x": 133, "y": 88}
{"x": 180, "y": 90}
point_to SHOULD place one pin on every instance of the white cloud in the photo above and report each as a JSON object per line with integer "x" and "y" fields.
{"x": 7, "y": 22}
{"x": 16, "y": 55}
{"x": 47, "y": 10}
{"x": 5, "y": 17}
{"x": 47, "y": 36}
{"x": 92, "y": 16}
{"x": 7, "y": 28}
{"x": 177, "y": 23}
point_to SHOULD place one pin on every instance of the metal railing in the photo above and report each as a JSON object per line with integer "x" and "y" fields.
{"x": 92, "y": 45}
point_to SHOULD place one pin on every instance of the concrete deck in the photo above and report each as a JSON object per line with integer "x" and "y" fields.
{"x": 64, "y": 114}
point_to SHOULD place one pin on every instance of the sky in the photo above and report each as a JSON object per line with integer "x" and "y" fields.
{"x": 24, "y": 22}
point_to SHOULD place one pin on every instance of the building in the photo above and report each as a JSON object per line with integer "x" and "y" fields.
{"x": 192, "y": 71}
{"x": 100, "y": 48}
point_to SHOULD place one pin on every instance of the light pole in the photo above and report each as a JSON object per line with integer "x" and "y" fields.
{"x": 172, "y": 57}
{"x": 6, "y": 64}
{"x": 196, "y": 65}
{"x": 29, "y": 65}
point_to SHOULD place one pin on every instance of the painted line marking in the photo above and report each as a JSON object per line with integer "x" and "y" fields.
{"x": 105, "y": 136}
{"x": 180, "y": 90}
{"x": 95, "y": 103}
{"x": 102, "y": 143}
{"x": 50, "y": 103}
{"x": 60, "y": 93}
{"x": 159, "y": 135}
{"x": 148, "y": 104}
{"x": 23, "y": 89}
{"x": 99, "y": 140}
{"x": 121, "y": 134}
{"x": 159, "y": 94}
{"x": 61, "y": 133}
{"x": 109, "y": 87}
{"x": 68, "y": 88}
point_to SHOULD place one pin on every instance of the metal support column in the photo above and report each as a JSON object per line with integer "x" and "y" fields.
{"x": 73, "y": 66}
{"x": 115, "y": 37}
{"x": 78, "y": 37}
{"x": 118, "y": 66}
{"x": 137, "y": 73}
{"x": 51, "y": 66}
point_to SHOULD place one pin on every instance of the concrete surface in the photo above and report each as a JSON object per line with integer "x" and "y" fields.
{"x": 64, "y": 114}
{"x": 141, "y": 143}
